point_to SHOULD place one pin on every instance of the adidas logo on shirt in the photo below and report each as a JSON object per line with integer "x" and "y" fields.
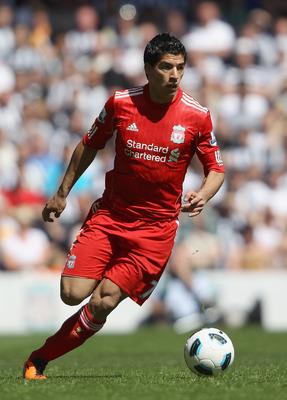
{"x": 132, "y": 127}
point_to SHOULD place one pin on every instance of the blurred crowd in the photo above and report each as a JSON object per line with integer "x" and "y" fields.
{"x": 56, "y": 75}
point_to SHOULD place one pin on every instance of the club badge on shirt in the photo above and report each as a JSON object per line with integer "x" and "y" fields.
{"x": 178, "y": 134}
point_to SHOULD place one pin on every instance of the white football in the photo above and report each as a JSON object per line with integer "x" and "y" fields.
{"x": 209, "y": 352}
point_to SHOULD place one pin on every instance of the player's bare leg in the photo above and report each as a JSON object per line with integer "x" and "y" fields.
{"x": 74, "y": 290}
{"x": 105, "y": 299}
{"x": 80, "y": 326}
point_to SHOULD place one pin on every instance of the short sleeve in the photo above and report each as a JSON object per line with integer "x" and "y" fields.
{"x": 207, "y": 148}
{"x": 103, "y": 127}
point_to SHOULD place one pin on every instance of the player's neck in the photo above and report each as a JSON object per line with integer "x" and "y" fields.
{"x": 160, "y": 98}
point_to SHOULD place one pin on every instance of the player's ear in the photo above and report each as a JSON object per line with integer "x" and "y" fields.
{"x": 147, "y": 68}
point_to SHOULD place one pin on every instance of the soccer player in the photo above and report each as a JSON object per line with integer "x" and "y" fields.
{"x": 127, "y": 238}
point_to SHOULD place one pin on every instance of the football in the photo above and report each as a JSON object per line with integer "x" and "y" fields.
{"x": 208, "y": 352}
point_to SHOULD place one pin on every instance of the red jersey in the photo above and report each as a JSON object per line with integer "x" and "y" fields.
{"x": 154, "y": 146}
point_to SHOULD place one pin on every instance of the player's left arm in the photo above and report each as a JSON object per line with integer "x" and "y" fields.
{"x": 208, "y": 153}
{"x": 195, "y": 201}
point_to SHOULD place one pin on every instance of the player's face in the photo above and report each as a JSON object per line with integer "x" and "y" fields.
{"x": 164, "y": 77}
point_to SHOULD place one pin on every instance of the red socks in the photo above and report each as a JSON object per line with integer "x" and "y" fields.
{"x": 72, "y": 334}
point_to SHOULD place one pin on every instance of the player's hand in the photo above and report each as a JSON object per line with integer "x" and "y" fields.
{"x": 56, "y": 206}
{"x": 194, "y": 203}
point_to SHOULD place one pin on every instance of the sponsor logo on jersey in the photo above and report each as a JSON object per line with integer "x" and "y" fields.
{"x": 143, "y": 151}
{"x": 174, "y": 155}
{"x": 213, "y": 141}
{"x": 71, "y": 261}
{"x": 132, "y": 127}
{"x": 178, "y": 134}
{"x": 132, "y": 144}
{"x": 102, "y": 116}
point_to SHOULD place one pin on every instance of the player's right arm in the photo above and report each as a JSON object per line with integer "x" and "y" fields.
{"x": 101, "y": 131}
{"x": 81, "y": 158}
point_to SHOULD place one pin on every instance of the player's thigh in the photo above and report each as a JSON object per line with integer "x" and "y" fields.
{"x": 74, "y": 289}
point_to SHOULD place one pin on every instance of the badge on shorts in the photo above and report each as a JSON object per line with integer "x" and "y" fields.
{"x": 178, "y": 134}
{"x": 71, "y": 261}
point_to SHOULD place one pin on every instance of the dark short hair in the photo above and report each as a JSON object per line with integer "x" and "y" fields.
{"x": 163, "y": 43}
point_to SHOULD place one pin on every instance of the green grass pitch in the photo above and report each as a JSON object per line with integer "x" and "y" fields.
{"x": 147, "y": 365}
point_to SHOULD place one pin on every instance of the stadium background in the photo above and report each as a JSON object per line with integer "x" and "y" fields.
{"x": 60, "y": 63}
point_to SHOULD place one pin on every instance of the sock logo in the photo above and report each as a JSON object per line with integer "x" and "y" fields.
{"x": 76, "y": 333}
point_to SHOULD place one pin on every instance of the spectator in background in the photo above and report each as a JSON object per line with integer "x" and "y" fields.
{"x": 210, "y": 35}
{"x": 40, "y": 36}
{"x": 87, "y": 97}
{"x": 249, "y": 148}
{"x": 276, "y": 180}
{"x": 10, "y": 103}
{"x": 133, "y": 36}
{"x": 61, "y": 92}
{"x": 24, "y": 56}
{"x": 250, "y": 255}
{"x": 254, "y": 194}
{"x": 84, "y": 39}
{"x": 258, "y": 28}
{"x": 268, "y": 232}
{"x": 32, "y": 244}
{"x": 280, "y": 32}
{"x": 8, "y": 226}
{"x": 41, "y": 164}
{"x": 244, "y": 101}
{"x": 199, "y": 249}
{"x": 176, "y": 22}
{"x": 209, "y": 42}
{"x": 8, "y": 160}
{"x": 7, "y": 39}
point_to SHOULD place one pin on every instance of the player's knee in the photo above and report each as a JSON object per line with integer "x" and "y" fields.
{"x": 105, "y": 299}
{"x": 74, "y": 291}
{"x": 102, "y": 305}
{"x": 70, "y": 296}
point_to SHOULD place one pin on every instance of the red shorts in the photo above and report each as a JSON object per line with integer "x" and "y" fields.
{"x": 132, "y": 254}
